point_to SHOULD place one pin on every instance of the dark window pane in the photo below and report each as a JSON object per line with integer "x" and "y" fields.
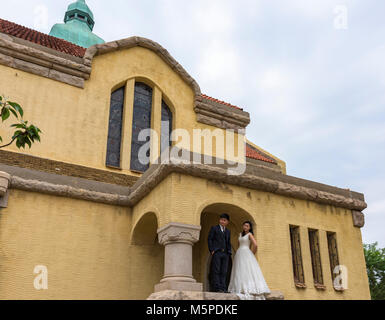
{"x": 115, "y": 128}
{"x": 296, "y": 255}
{"x": 166, "y": 127}
{"x": 141, "y": 120}
{"x": 333, "y": 252}
{"x": 315, "y": 256}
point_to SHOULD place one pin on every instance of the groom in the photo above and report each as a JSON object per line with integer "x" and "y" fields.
{"x": 220, "y": 249}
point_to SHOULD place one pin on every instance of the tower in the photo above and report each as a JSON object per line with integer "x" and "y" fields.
{"x": 78, "y": 25}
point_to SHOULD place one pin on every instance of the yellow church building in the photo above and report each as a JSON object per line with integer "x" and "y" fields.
{"x": 81, "y": 210}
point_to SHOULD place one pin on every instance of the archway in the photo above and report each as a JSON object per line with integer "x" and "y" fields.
{"x": 146, "y": 267}
{"x": 210, "y": 217}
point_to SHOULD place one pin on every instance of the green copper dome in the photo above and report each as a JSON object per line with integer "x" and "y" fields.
{"x": 78, "y": 25}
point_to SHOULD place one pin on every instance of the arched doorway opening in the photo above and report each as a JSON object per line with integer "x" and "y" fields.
{"x": 210, "y": 217}
{"x": 146, "y": 267}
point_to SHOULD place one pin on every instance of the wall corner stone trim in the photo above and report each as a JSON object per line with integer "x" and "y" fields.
{"x": 358, "y": 219}
{"x": 5, "y": 179}
{"x": 37, "y": 60}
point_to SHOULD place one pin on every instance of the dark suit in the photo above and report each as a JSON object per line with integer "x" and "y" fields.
{"x": 219, "y": 242}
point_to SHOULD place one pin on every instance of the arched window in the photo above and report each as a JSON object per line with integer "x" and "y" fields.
{"x": 166, "y": 127}
{"x": 115, "y": 128}
{"x": 141, "y": 120}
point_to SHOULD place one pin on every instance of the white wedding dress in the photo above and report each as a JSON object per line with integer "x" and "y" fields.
{"x": 246, "y": 279}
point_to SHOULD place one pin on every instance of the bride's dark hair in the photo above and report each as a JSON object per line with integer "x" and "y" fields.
{"x": 251, "y": 228}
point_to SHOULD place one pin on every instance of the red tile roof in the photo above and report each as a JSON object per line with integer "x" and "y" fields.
{"x": 253, "y": 153}
{"x": 220, "y": 101}
{"x": 45, "y": 40}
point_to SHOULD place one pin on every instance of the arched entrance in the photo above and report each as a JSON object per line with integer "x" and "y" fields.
{"x": 210, "y": 217}
{"x": 146, "y": 267}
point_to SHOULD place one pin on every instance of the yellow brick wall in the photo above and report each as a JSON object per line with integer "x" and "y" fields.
{"x": 85, "y": 246}
{"x": 91, "y": 254}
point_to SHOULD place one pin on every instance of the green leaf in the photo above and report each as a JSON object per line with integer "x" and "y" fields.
{"x": 17, "y": 107}
{"x": 14, "y": 112}
{"x": 5, "y": 114}
{"x": 27, "y": 141}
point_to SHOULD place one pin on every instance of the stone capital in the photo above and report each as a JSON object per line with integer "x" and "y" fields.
{"x": 178, "y": 233}
{"x": 4, "y": 183}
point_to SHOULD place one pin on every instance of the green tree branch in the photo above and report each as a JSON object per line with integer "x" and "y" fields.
{"x": 24, "y": 133}
{"x": 375, "y": 266}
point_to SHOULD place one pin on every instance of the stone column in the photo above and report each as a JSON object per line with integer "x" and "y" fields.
{"x": 178, "y": 240}
{"x": 4, "y": 184}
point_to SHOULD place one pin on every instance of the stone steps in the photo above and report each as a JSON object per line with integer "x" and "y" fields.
{"x": 196, "y": 295}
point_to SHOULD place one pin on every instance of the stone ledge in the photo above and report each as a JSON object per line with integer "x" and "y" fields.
{"x": 333, "y": 196}
{"x": 193, "y": 295}
{"x": 219, "y": 115}
{"x": 31, "y": 58}
{"x": 11, "y": 161}
{"x": 257, "y": 179}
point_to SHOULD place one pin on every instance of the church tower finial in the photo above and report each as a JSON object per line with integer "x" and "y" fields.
{"x": 80, "y": 11}
{"x": 78, "y": 25}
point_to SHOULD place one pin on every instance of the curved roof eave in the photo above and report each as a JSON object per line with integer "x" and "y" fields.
{"x": 131, "y": 42}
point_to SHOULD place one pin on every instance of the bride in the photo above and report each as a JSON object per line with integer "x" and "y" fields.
{"x": 246, "y": 278}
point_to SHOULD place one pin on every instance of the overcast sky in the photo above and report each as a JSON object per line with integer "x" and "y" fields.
{"x": 310, "y": 72}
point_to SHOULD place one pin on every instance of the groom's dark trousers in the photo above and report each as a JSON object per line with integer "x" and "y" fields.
{"x": 219, "y": 242}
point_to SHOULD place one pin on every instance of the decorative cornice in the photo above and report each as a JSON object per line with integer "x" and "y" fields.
{"x": 254, "y": 178}
{"x": 22, "y": 160}
{"x": 178, "y": 232}
{"x": 34, "y": 59}
{"x": 68, "y": 191}
{"x": 219, "y": 115}
{"x": 296, "y": 188}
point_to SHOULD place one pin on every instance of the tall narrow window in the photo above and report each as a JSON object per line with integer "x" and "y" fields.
{"x": 316, "y": 258}
{"x": 333, "y": 252}
{"x": 115, "y": 128}
{"x": 141, "y": 121}
{"x": 299, "y": 277}
{"x": 166, "y": 127}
